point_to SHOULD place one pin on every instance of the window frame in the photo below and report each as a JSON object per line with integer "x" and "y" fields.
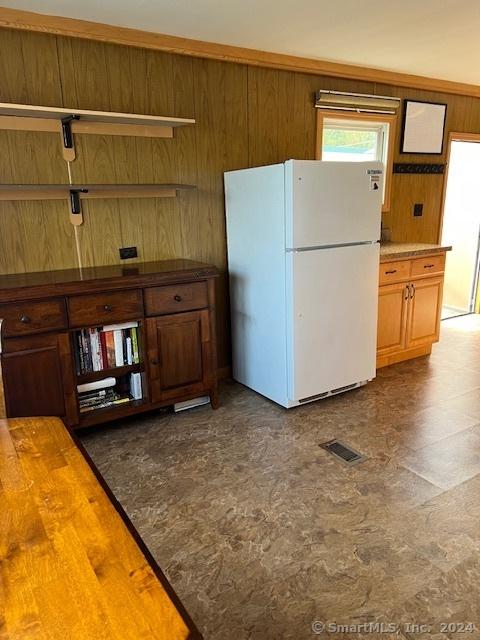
{"x": 390, "y": 119}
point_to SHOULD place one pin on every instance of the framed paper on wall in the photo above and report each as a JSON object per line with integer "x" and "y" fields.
{"x": 423, "y": 126}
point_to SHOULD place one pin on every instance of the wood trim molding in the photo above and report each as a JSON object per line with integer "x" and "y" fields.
{"x": 70, "y": 27}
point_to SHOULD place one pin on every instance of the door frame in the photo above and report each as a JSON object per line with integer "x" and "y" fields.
{"x": 457, "y": 136}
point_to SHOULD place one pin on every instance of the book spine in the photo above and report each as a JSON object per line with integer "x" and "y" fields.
{"x": 135, "y": 354}
{"x": 98, "y": 350}
{"x": 122, "y": 325}
{"x": 103, "y": 350}
{"x": 79, "y": 351}
{"x": 129, "y": 350}
{"x": 118, "y": 340}
{"x": 104, "y": 405}
{"x": 88, "y": 395}
{"x": 93, "y": 348}
{"x": 86, "y": 351}
{"x": 110, "y": 349}
{"x": 136, "y": 386}
{"x": 124, "y": 346}
{"x": 98, "y": 384}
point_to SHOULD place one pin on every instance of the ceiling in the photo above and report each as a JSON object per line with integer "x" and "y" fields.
{"x": 434, "y": 38}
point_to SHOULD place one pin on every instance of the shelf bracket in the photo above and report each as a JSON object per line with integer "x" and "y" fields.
{"x": 76, "y": 215}
{"x": 67, "y": 137}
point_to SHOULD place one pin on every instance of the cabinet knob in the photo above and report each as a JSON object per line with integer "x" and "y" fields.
{"x": 25, "y": 319}
{"x": 154, "y": 363}
{"x": 177, "y": 298}
{"x": 108, "y": 307}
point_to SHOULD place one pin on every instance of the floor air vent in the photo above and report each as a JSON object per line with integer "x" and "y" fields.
{"x": 340, "y": 450}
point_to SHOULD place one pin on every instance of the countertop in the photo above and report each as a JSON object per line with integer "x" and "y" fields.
{"x": 73, "y": 564}
{"x": 390, "y": 250}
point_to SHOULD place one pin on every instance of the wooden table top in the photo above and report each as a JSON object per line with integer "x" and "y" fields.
{"x": 71, "y": 565}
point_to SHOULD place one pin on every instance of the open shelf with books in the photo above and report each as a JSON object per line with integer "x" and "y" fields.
{"x": 110, "y": 393}
{"x": 109, "y": 364}
{"x": 105, "y": 348}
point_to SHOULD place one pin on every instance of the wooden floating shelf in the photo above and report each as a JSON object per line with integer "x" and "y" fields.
{"x": 89, "y": 191}
{"x": 67, "y": 122}
{"x": 57, "y": 113}
{"x": 27, "y": 117}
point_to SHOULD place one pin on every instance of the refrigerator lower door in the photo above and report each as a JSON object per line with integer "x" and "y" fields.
{"x": 333, "y": 295}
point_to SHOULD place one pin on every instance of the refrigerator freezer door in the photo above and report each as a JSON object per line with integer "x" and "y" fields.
{"x": 334, "y": 298}
{"x": 332, "y": 203}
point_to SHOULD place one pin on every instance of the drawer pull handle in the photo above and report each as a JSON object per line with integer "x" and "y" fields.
{"x": 108, "y": 307}
{"x": 177, "y": 298}
{"x": 390, "y": 272}
{"x": 25, "y": 319}
{"x": 428, "y": 266}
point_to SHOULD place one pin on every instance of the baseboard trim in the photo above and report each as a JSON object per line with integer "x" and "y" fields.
{"x": 406, "y": 354}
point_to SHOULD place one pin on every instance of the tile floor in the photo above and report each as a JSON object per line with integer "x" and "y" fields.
{"x": 261, "y": 532}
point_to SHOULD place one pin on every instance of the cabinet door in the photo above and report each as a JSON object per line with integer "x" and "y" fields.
{"x": 179, "y": 355}
{"x": 392, "y": 318}
{"x": 424, "y": 311}
{"x": 38, "y": 377}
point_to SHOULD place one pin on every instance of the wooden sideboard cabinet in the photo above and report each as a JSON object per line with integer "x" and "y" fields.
{"x": 43, "y": 317}
{"x": 409, "y": 307}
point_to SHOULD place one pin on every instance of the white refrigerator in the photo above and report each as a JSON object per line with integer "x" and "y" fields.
{"x": 303, "y": 259}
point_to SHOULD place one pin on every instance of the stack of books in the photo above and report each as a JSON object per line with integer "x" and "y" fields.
{"x": 109, "y": 392}
{"x": 107, "y": 347}
{"x": 100, "y": 399}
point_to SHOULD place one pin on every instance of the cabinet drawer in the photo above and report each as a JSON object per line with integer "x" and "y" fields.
{"x": 391, "y": 272}
{"x": 104, "y": 308}
{"x": 428, "y": 266}
{"x": 23, "y": 318}
{"x": 180, "y": 297}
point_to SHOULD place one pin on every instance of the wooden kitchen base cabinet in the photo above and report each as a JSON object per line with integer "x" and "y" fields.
{"x": 392, "y": 318}
{"x": 409, "y": 308}
{"x": 46, "y": 316}
{"x": 179, "y": 355}
{"x": 38, "y": 376}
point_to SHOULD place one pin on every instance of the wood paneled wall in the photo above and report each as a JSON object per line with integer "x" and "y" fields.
{"x": 246, "y": 116}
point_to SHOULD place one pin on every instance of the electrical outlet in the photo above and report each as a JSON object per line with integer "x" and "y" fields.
{"x": 128, "y": 252}
{"x": 418, "y": 210}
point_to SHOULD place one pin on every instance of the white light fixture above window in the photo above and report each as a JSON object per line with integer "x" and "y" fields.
{"x": 359, "y": 102}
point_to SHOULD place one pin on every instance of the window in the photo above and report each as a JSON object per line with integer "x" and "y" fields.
{"x": 357, "y": 137}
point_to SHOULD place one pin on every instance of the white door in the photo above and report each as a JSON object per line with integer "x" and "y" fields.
{"x": 333, "y": 295}
{"x": 329, "y": 203}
